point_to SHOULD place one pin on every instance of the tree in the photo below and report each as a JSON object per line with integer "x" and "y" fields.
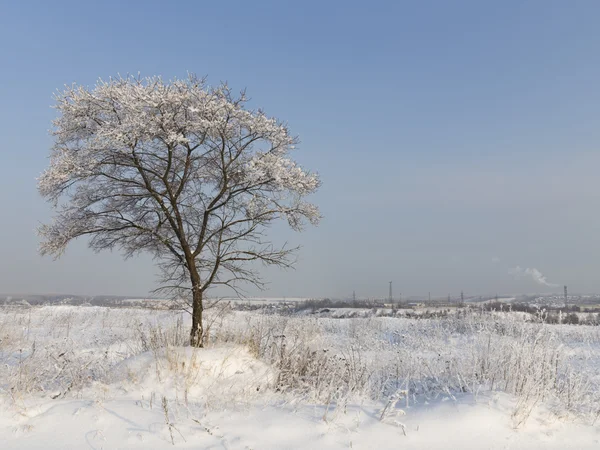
{"x": 177, "y": 169}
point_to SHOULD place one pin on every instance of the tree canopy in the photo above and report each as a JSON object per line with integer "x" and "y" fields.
{"x": 177, "y": 169}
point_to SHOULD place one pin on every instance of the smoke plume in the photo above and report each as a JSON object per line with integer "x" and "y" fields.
{"x": 535, "y": 274}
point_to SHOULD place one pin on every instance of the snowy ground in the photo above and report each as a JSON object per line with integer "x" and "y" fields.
{"x": 102, "y": 378}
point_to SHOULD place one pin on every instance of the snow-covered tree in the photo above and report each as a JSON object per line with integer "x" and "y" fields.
{"x": 177, "y": 169}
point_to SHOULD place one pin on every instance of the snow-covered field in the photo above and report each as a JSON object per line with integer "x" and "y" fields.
{"x": 122, "y": 378}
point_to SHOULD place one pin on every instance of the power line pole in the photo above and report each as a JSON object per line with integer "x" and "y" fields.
{"x": 391, "y": 298}
{"x": 462, "y": 297}
{"x": 566, "y": 302}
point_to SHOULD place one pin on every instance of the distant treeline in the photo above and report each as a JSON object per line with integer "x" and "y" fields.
{"x": 549, "y": 314}
{"x": 104, "y": 301}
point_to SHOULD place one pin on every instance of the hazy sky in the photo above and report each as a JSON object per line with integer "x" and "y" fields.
{"x": 455, "y": 140}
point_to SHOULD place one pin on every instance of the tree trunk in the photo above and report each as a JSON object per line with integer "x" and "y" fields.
{"x": 197, "y": 332}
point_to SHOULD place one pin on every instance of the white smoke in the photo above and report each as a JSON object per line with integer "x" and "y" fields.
{"x": 535, "y": 274}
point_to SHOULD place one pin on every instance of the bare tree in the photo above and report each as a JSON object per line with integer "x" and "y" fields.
{"x": 177, "y": 169}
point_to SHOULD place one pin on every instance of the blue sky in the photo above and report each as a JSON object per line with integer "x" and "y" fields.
{"x": 455, "y": 140}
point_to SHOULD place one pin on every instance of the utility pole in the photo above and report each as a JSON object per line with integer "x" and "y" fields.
{"x": 462, "y": 297}
{"x": 391, "y": 298}
{"x": 566, "y": 302}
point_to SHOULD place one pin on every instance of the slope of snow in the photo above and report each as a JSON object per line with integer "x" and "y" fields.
{"x": 88, "y": 377}
{"x": 124, "y": 423}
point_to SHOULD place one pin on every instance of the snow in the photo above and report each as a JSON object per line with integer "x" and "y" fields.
{"x": 124, "y": 423}
{"x": 136, "y": 393}
{"x": 228, "y": 371}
